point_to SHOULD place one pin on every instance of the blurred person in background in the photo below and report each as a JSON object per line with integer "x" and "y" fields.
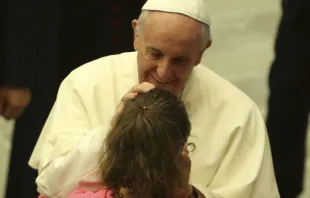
{"x": 18, "y": 29}
{"x": 60, "y": 35}
{"x": 289, "y": 100}
{"x": 17, "y": 58}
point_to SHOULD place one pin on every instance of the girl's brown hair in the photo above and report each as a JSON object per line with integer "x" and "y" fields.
{"x": 141, "y": 151}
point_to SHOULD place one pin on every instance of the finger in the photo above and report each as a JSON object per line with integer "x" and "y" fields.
{"x": 139, "y": 88}
{"x": 133, "y": 92}
{"x": 120, "y": 107}
{"x": 128, "y": 96}
{"x": 12, "y": 112}
{"x": 142, "y": 88}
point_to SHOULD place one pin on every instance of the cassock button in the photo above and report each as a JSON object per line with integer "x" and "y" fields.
{"x": 117, "y": 8}
{"x": 117, "y": 23}
{"x": 116, "y": 40}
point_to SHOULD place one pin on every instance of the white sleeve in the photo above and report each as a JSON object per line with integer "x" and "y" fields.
{"x": 67, "y": 150}
{"x": 75, "y": 169}
{"x": 246, "y": 171}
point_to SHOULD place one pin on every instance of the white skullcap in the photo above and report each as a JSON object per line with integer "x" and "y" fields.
{"x": 196, "y": 9}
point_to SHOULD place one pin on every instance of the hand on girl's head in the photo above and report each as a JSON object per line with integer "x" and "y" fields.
{"x": 132, "y": 93}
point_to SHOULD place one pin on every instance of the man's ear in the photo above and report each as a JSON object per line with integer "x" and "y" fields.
{"x": 203, "y": 50}
{"x": 135, "y": 33}
{"x": 208, "y": 44}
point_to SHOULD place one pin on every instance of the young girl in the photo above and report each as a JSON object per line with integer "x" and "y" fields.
{"x": 141, "y": 153}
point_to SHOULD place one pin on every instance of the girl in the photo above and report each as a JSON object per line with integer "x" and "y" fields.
{"x": 141, "y": 153}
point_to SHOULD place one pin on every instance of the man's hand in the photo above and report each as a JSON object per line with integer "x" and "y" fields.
{"x": 13, "y": 101}
{"x": 133, "y": 92}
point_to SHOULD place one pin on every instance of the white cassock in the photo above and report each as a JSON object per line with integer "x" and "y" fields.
{"x": 232, "y": 158}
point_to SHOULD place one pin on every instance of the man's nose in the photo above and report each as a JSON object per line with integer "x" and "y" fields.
{"x": 164, "y": 70}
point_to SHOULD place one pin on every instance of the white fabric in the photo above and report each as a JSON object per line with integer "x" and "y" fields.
{"x": 232, "y": 158}
{"x": 196, "y": 9}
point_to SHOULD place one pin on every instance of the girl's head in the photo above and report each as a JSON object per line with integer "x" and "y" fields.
{"x": 141, "y": 151}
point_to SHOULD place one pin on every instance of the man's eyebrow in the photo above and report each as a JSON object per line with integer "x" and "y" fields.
{"x": 153, "y": 49}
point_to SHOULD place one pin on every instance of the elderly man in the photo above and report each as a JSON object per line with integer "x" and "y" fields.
{"x": 232, "y": 157}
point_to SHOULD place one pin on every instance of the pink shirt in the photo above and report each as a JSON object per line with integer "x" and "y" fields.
{"x": 103, "y": 193}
